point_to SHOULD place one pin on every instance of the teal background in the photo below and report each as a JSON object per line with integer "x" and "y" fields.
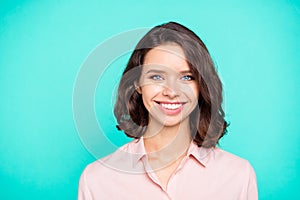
{"x": 255, "y": 45}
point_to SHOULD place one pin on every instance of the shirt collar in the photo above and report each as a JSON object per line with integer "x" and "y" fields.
{"x": 201, "y": 154}
{"x": 137, "y": 150}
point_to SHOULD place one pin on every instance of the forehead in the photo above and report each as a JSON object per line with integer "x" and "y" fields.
{"x": 166, "y": 56}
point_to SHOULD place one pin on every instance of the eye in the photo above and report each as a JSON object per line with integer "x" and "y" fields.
{"x": 156, "y": 77}
{"x": 187, "y": 78}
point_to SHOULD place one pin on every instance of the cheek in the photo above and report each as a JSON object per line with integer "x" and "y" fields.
{"x": 196, "y": 91}
{"x": 194, "y": 87}
{"x": 149, "y": 92}
{"x": 191, "y": 90}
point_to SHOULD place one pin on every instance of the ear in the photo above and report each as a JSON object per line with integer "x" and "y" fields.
{"x": 137, "y": 87}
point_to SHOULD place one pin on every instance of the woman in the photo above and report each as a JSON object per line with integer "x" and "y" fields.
{"x": 169, "y": 100}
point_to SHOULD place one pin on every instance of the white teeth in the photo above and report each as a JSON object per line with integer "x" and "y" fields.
{"x": 171, "y": 106}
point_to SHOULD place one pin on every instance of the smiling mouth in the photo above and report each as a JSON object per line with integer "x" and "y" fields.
{"x": 170, "y": 105}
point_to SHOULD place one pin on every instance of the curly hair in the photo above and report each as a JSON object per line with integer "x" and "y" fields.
{"x": 207, "y": 121}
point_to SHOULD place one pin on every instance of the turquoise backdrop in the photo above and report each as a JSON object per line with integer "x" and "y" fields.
{"x": 43, "y": 44}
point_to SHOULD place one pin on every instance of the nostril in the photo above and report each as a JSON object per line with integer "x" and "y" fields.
{"x": 169, "y": 92}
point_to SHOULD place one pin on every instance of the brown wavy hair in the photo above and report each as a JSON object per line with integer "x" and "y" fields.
{"x": 207, "y": 121}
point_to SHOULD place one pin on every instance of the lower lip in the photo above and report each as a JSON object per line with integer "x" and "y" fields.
{"x": 170, "y": 111}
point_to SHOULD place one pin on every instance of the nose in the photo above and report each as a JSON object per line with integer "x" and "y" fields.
{"x": 171, "y": 90}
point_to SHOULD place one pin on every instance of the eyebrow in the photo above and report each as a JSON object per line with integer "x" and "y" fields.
{"x": 160, "y": 71}
{"x": 155, "y": 71}
{"x": 185, "y": 72}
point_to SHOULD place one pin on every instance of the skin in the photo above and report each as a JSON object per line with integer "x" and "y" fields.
{"x": 169, "y": 94}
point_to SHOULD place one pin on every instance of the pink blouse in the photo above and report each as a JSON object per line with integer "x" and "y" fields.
{"x": 205, "y": 173}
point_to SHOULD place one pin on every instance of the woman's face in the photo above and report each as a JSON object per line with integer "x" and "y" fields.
{"x": 169, "y": 90}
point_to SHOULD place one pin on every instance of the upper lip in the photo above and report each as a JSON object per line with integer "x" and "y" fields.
{"x": 168, "y": 102}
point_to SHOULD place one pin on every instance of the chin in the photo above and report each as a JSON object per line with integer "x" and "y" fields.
{"x": 171, "y": 122}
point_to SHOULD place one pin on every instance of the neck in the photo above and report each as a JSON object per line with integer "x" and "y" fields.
{"x": 167, "y": 144}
